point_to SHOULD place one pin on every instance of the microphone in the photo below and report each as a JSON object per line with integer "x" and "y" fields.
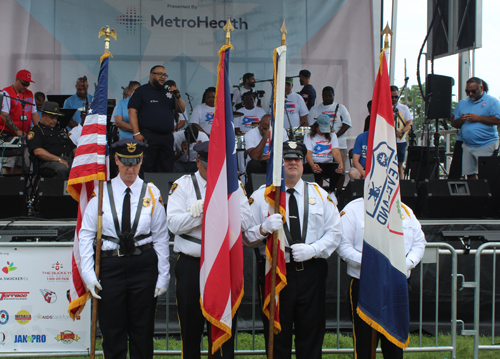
{"x": 84, "y": 78}
{"x": 166, "y": 87}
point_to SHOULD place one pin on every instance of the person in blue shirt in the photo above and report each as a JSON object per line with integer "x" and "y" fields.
{"x": 359, "y": 150}
{"x": 80, "y": 99}
{"x": 478, "y": 117}
{"x": 121, "y": 112}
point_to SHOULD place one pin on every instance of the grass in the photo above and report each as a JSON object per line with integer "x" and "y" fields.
{"x": 464, "y": 346}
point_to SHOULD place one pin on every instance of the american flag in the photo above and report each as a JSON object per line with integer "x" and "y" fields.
{"x": 383, "y": 291}
{"x": 221, "y": 272}
{"x": 275, "y": 178}
{"x": 89, "y": 167}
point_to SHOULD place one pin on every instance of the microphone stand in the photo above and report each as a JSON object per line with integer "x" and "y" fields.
{"x": 189, "y": 97}
{"x": 188, "y": 124}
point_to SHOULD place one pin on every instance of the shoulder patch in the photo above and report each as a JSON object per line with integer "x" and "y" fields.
{"x": 151, "y": 184}
{"x": 30, "y": 135}
{"x": 173, "y": 188}
{"x": 243, "y": 188}
{"x": 161, "y": 201}
{"x": 93, "y": 195}
{"x": 342, "y": 213}
{"x": 330, "y": 199}
{"x": 251, "y": 201}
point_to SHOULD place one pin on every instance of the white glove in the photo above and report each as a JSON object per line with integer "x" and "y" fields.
{"x": 302, "y": 252}
{"x": 196, "y": 209}
{"x": 160, "y": 291}
{"x": 273, "y": 223}
{"x": 409, "y": 264}
{"x": 92, "y": 286}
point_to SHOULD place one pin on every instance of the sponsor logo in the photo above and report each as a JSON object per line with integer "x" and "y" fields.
{"x": 67, "y": 337}
{"x": 14, "y": 295}
{"x": 51, "y": 316}
{"x": 2, "y": 338}
{"x": 131, "y": 20}
{"x": 49, "y": 296}
{"x": 9, "y": 267}
{"x": 23, "y": 317}
{"x": 38, "y": 338}
{"x": 57, "y": 274}
{"x": 4, "y": 317}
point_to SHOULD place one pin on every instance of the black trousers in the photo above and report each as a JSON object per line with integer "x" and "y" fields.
{"x": 302, "y": 310}
{"x": 159, "y": 155}
{"x": 363, "y": 333}
{"x": 254, "y": 166}
{"x": 191, "y": 319}
{"x": 127, "y": 308}
{"x": 328, "y": 172}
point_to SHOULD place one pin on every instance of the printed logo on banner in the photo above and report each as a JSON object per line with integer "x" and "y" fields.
{"x": 4, "y": 317}
{"x": 35, "y": 338}
{"x": 2, "y": 338}
{"x": 49, "y": 296}
{"x": 51, "y": 316}
{"x": 131, "y": 20}
{"x": 23, "y": 317}
{"x": 67, "y": 337}
{"x": 57, "y": 274}
{"x": 9, "y": 267}
{"x": 14, "y": 295}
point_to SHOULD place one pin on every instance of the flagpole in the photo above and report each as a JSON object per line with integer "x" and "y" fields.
{"x": 277, "y": 195}
{"x": 97, "y": 268}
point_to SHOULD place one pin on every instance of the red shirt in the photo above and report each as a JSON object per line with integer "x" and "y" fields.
{"x": 16, "y": 109}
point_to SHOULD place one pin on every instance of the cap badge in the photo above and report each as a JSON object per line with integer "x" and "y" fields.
{"x": 292, "y": 144}
{"x": 131, "y": 147}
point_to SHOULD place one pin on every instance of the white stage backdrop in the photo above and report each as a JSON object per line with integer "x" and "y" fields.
{"x": 57, "y": 41}
{"x": 34, "y": 316}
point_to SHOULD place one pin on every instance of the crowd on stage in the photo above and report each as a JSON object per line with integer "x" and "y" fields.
{"x": 157, "y": 135}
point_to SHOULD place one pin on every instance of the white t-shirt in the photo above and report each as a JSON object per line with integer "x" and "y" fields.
{"x": 75, "y": 133}
{"x": 180, "y": 137}
{"x": 203, "y": 115}
{"x": 245, "y": 122}
{"x": 342, "y": 117}
{"x": 253, "y": 138}
{"x": 4, "y": 105}
{"x": 320, "y": 147}
{"x": 296, "y": 107}
{"x": 237, "y": 96}
{"x": 405, "y": 111}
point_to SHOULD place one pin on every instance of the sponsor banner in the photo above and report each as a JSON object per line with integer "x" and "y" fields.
{"x": 34, "y": 281}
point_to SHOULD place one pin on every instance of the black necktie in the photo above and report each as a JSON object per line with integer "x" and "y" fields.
{"x": 126, "y": 212}
{"x": 293, "y": 216}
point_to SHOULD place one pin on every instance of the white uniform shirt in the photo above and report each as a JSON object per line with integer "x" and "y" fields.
{"x": 182, "y": 195}
{"x": 245, "y": 122}
{"x": 180, "y": 137}
{"x": 342, "y": 117}
{"x": 405, "y": 111}
{"x": 152, "y": 219}
{"x": 324, "y": 230}
{"x": 353, "y": 225}
{"x": 320, "y": 147}
{"x": 296, "y": 107}
{"x": 203, "y": 115}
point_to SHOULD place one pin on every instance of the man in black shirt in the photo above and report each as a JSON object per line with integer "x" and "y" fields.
{"x": 151, "y": 114}
{"x": 308, "y": 92}
{"x": 51, "y": 144}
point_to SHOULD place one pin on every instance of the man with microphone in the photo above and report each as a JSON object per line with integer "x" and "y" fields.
{"x": 151, "y": 115}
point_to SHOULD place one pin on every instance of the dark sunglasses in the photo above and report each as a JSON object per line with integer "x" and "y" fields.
{"x": 24, "y": 83}
{"x": 467, "y": 91}
{"x": 395, "y": 96}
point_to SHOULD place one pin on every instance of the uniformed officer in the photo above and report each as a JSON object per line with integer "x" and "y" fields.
{"x": 184, "y": 216}
{"x": 313, "y": 233}
{"x": 134, "y": 257}
{"x": 51, "y": 144}
{"x": 351, "y": 251}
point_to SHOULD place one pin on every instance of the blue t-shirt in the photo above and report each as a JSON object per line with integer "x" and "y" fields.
{"x": 122, "y": 110}
{"x": 476, "y": 134}
{"x": 308, "y": 93}
{"x": 76, "y": 102}
{"x": 360, "y": 147}
{"x": 155, "y": 109}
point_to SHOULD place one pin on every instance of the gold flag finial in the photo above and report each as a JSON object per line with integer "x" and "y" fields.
{"x": 107, "y": 34}
{"x": 283, "y": 33}
{"x": 387, "y": 31}
{"x": 228, "y": 28}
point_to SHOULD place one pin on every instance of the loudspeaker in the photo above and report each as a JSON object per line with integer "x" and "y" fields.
{"x": 438, "y": 94}
{"x": 353, "y": 190}
{"x": 13, "y": 197}
{"x": 454, "y": 199}
{"x": 420, "y": 161}
{"x": 408, "y": 193}
{"x": 489, "y": 169}
{"x": 54, "y": 201}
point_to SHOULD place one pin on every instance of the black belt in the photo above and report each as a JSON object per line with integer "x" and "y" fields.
{"x": 300, "y": 266}
{"x": 116, "y": 252}
{"x": 155, "y": 131}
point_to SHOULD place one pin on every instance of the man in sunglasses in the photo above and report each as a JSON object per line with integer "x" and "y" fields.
{"x": 151, "y": 115}
{"x": 403, "y": 121}
{"x": 14, "y": 121}
{"x": 478, "y": 116}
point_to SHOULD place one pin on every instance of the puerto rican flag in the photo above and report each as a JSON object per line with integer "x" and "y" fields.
{"x": 221, "y": 272}
{"x": 247, "y": 120}
{"x": 383, "y": 292}
{"x": 290, "y": 106}
{"x": 330, "y": 114}
{"x": 89, "y": 167}
{"x": 209, "y": 117}
{"x": 322, "y": 148}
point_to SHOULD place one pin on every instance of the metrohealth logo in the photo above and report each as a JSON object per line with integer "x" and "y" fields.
{"x": 131, "y": 20}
